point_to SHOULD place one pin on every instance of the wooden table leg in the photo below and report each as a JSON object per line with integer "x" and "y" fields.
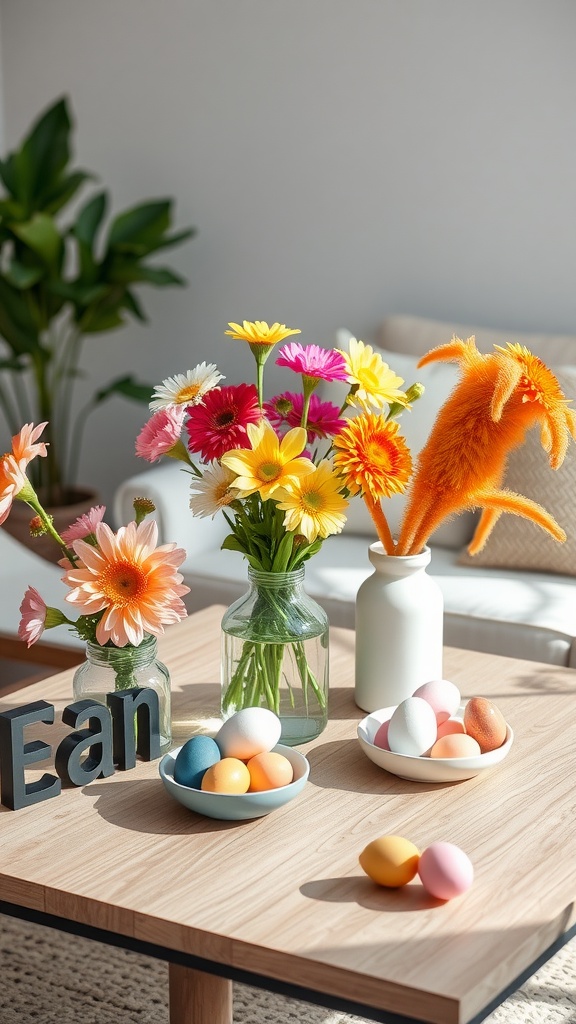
{"x": 199, "y": 998}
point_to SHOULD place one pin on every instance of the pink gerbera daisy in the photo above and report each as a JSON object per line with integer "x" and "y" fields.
{"x": 84, "y": 525}
{"x": 219, "y": 423}
{"x": 33, "y": 612}
{"x": 285, "y": 411}
{"x": 162, "y": 431}
{"x": 313, "y": 362}
{"x": 134, "y": 583}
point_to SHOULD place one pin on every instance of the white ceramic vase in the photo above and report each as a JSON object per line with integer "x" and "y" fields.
{"x": 399, "y": 629}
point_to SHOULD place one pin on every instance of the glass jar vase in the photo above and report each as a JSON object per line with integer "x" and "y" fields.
{"x": 275, "y": 654}
{"x": 107, "y": 669}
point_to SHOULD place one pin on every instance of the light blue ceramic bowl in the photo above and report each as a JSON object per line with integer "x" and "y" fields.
{"x": 234, "y": 806}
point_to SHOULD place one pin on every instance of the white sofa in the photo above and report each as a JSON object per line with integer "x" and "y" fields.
{"x": 515, "y": 612}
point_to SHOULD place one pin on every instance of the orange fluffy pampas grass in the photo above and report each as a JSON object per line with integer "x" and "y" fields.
{"x": 499, "y": 397}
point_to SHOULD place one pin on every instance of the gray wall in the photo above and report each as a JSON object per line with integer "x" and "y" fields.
{"x": 342, "y": 159}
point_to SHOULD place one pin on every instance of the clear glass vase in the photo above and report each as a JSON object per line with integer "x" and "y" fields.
{"x": 275, "y": 654}
{"x": 121, "y": 668}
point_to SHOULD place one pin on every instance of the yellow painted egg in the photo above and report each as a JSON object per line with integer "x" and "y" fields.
{"x": 227, "y": 776}
{"x": 390, "y": 860}
{"x": 485, "y": 722}
{"x": 269, "y": 770}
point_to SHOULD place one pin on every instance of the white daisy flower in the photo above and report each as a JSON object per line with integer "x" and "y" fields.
{"x": 186, "y": 388}
{"x": 212, "y": 491}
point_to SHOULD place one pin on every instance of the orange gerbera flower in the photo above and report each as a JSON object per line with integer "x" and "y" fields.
{"x": 134, "y": 583}
{"x": 372, "y": 457}
{"x": 13, "y": 465}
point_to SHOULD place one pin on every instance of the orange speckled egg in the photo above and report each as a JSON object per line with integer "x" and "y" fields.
{"x": 456, "y": 745}
{"x": 390, "y": 860}
{"x": 269, "y": 770}
{"x": 485, "y": 723}
{"x": 449, "y": 726}
{"x": 227, "y": 776}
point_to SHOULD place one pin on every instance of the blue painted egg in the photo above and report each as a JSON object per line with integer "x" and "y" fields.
{"x": 193, "y": 759}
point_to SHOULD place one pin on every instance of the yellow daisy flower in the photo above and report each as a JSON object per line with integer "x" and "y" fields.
{"x": 373, "y": 382}
{"x": 258, "y": 332}
{"x": 372, "y": 457}
{"x": 313, "y": 504}
{"x": 270, "y": 463}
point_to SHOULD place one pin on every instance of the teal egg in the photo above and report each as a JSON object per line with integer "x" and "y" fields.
{"x": 193, "y": 759}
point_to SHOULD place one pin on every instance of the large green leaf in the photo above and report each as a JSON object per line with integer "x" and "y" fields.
{"x": 89, "y": 219}
{"x": 44, "y": 153}
{"x": 43, "y": 237}
{"x": 140, "y": 226}
{"x": 21, "y": 276}
{"x": 62, "y": 191}
{"x": 128, "y": 387}
{"x": 130, "y": 302}
{"x": 18, "y": 324}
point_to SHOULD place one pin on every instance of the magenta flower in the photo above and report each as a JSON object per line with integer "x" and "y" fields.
{"x": 84, "y": 525}
{"x": 218, "y": 424}
{"x": 285, "y": 411}
{"x": 313, "y": 361}
{"x": 162, "y": 431}
{"x": 33, "y": 612}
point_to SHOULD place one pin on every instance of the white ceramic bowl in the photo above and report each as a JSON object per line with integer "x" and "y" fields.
{"x": 236, "y": 806}
{"x": 426, "y": 769}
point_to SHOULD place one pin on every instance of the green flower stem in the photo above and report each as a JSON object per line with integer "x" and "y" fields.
{"x": 29, "y": 496}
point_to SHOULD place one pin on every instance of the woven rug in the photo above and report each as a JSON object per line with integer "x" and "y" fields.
{"x": 49, "y": 977}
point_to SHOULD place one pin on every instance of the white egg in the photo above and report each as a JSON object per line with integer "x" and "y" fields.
{"x": 248, "y": 732}
{"x": 412, "y": 728}
{"x": 442, "y": 695}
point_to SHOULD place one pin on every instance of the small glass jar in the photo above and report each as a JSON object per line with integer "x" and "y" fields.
{"x": 275, "y": 654}
{"x": 120, "y": 668}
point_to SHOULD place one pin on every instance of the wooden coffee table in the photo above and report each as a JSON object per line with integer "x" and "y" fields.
{"x": 281, "y": 901}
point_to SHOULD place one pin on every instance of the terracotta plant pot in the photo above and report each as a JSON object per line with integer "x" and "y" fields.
{"x": 17, "y": 524}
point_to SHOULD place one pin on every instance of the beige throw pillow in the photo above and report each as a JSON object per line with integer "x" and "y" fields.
{"x": 517, "y": 543}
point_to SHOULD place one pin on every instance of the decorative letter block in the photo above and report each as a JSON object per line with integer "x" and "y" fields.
{"x": 136, "y": 725}
{"x": 15, "y": 755}
{"x": 96, "y": 740}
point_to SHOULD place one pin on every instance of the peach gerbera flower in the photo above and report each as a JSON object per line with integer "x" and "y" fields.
{"x": 13, "y": 465}
{"x": 270, "y": 463}
{"x": 134, "y": 583}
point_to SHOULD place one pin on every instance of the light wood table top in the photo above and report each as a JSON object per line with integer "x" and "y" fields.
{"x": 283, "y": 897}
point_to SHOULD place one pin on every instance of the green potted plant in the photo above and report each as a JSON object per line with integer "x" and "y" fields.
{"x": 66, "y": 274}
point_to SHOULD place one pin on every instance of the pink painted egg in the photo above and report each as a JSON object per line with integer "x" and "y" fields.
{"x": 445, "y": 871}
{"x": 381, "y": 736}
{"x": 443, "y": 697}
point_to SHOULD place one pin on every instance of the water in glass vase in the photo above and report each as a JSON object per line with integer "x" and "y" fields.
{"x": 108, "y": 669}
{"x": 275, "y": 654}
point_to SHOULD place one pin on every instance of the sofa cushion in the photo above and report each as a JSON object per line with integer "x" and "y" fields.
{"x": 517, "y": 543}
{"x": 415, "y": 424}
{"x": 415, "y": 335}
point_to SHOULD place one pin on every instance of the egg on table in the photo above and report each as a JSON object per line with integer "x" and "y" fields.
{"x": 390, "y": 860}
{"x": 445, "y": 870}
